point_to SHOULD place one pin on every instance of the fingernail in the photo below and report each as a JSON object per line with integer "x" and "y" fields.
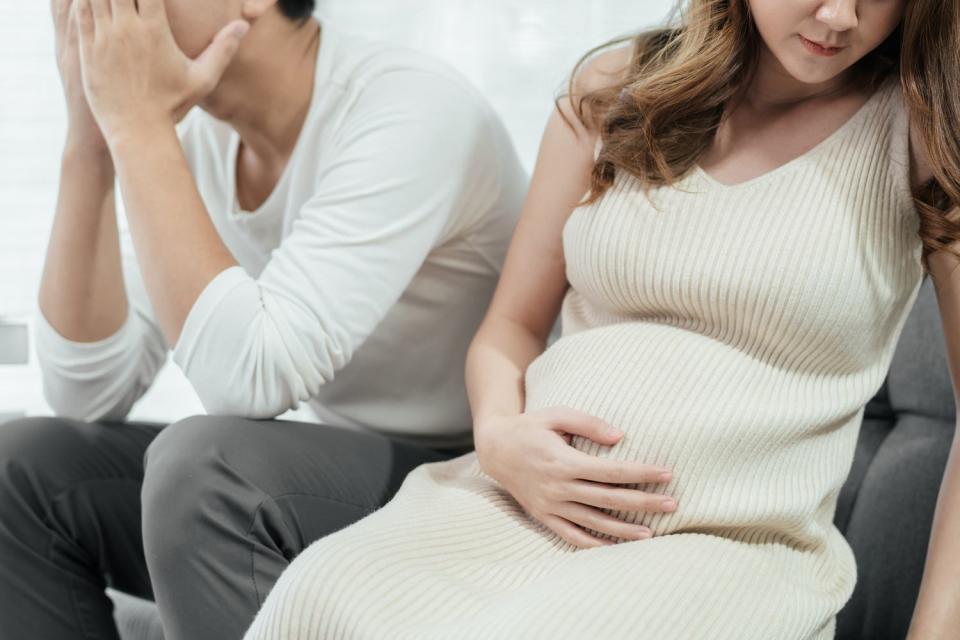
{"x": 241, "y": 29}
{"x": 666, "y": 475}
{"x": 669, "y": 503}
{"x": 613, "y": 431}
{"x": 644, "y": 533}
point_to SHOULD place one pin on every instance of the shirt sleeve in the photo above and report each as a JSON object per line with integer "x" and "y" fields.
{"x": 102, "y": 380}
{"x": 402, "y": 162}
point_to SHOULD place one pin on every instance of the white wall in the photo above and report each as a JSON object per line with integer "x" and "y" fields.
{"x": 517, "y": 51}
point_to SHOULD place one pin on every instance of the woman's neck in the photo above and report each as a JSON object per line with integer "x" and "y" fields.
{"x": 773, "y": 88}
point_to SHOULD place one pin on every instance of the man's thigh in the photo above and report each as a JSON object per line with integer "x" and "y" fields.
{"x": 283, "y": 459}
{"x": 250, "y": 495}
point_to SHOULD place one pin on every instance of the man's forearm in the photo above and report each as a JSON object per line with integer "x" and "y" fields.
{"x": 81, "y": 291}
{"x": 178, "y": 248}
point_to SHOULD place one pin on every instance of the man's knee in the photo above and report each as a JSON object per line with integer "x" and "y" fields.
{"x": 186, "y": 475}
{"x": 187, "y": 442}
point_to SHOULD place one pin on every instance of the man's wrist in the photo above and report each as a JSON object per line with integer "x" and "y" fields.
{"x": 87, "y": 148}
{"x": 93, "y": 161}
{"x": 139, "y": 134}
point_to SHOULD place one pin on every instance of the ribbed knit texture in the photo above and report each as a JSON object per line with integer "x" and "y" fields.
{"x": 735, "y": 335}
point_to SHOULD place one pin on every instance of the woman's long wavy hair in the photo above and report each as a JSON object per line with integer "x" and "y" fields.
{"x": 663, "y": 113}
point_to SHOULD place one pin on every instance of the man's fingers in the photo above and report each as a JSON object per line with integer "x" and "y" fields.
{"x": 102, "y": 15}
{"x": 86, "y": 25}
{"x": 209, "y": 67}
{"x": 152, "y": 9}
{"x": 59, "y": 10}
{"x": 71, "y": 27}
{"x": 122, "y": 9}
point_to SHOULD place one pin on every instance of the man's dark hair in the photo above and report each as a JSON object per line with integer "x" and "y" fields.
{"x": 296, "y": 9}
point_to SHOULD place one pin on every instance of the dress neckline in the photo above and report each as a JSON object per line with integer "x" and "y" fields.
{"x": 839, "y": 132}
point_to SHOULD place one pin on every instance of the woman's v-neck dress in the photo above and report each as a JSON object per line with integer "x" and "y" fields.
{"x": 735, "y": 333}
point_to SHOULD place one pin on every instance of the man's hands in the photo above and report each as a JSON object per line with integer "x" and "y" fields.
{"x": 562, "y": 487}
{"x": 127, "y": 83}
{"x": 134, "y": 74}
{"x": 83, "y": 132}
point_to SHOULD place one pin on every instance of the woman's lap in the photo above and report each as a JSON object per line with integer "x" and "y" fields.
{"x": 453, "y": 556}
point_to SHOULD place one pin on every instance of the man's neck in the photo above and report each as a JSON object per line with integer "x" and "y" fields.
{"x": 266, "y": 93}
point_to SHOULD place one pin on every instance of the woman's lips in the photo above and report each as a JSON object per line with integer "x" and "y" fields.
{"x": 819, "y": 49}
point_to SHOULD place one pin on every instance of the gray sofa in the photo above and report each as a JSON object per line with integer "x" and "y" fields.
{"x": 886, "y": 506}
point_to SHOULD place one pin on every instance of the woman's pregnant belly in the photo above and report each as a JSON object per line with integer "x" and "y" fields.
{"x": 757, "y": 452}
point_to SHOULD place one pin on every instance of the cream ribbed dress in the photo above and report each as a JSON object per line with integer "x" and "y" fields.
{"x": 736, "y": 335}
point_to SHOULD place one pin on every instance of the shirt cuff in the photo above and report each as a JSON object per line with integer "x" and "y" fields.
{"x": 59, "y": 349}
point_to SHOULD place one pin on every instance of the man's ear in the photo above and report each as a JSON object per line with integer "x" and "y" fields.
{"x": 253, "y": 9}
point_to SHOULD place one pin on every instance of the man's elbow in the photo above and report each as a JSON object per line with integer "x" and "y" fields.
{"x": 247, "y": 403}
{"x": 267, "y": 383}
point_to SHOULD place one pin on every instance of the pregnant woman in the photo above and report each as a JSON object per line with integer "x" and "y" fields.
{"x": 723, "y": 212}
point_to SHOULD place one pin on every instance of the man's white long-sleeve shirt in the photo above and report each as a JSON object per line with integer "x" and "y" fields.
{"x": 363, "y": 276}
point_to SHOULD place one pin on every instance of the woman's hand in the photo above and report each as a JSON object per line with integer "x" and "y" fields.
{"x": 134, "y": 74}
{"x": 83, "y": 132}
{"x": 565, "y": 489}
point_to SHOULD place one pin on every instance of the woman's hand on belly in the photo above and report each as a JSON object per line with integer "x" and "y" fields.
{"x": 531, "y": 457}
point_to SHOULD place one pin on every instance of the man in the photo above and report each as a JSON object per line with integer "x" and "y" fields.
{"x": 327, "y": 228}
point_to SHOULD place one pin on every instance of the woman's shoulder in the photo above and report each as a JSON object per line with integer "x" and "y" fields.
{"x": 600, "y": 71}
{"x": 604, "y": 70}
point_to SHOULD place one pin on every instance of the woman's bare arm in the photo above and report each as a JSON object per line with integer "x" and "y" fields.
{"x": 529, "y": 453}
{"x": 533, "y": 282}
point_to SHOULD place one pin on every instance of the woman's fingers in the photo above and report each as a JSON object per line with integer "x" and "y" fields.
{"x": 573, "y": 534}
{"x": 583, "y": 424}
{"x": 592, "y": 518}
{"x": 587, "y": 467}
{"x": 605, "y": 496}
